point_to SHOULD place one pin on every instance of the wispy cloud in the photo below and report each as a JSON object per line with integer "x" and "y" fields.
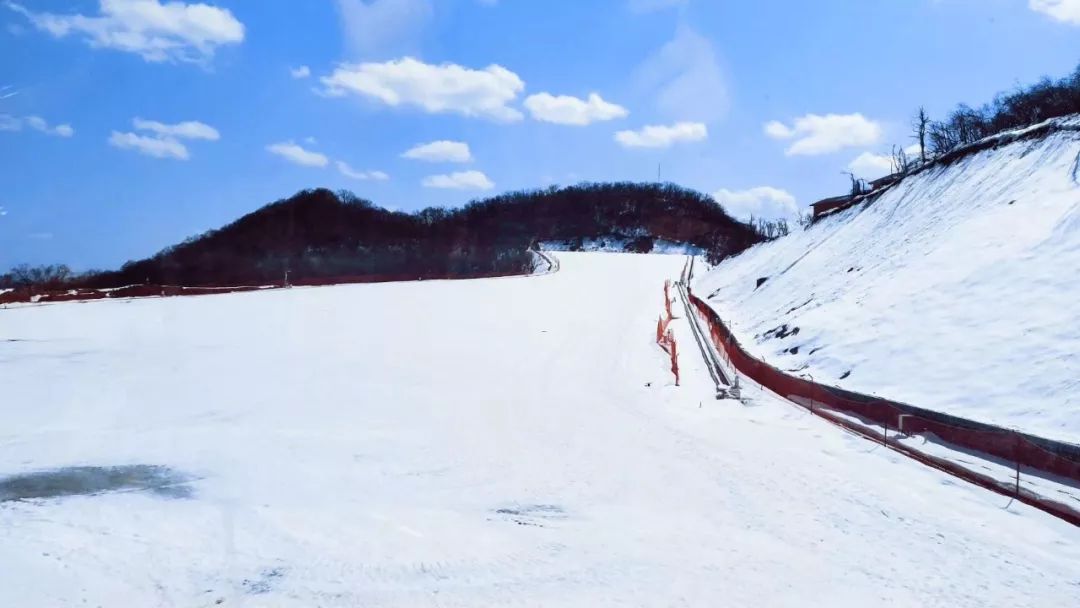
{"x": 161, "y": 140}
{"x": 298, "y": 155}
{"x": 347, "y": 171}
{"x": 37, "y": 123}
{"x": 1065, "y": 11}
{"x": 441, "y": 151}
{"x": 568, "y": 110}
{"x": 155, "y": 147}
{"x": 461, "y": 180}
{"x": 685, "y": 78}
{"x": 191, "y": 129}
{"x": 763, "y": 202}
{"x": 174, "y": 31}
{"x": 815, "y": 134}
{"x": 435, "y": 89}
{"x": 662, "y": 136}
{"x": 870, "y": 166}
{"x": 384, "y": 28}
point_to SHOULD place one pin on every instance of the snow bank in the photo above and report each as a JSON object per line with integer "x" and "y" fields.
{"x": 955, "y": 290}
{"x": 619, "y": 245}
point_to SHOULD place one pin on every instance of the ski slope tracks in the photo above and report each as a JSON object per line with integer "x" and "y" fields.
{"x": 499, "y": 442}
{"x": 955, "y": 290}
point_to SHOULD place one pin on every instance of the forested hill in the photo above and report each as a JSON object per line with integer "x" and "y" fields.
{"x": 322, "y": 234}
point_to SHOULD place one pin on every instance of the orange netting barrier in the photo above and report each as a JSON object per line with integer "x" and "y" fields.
{"x": 1047, "y": 458}
{"x": 25, "y": 295}
{"x": 664, "y": 336}
{"x": 668, "y": 300}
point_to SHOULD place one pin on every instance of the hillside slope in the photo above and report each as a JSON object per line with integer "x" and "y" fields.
{"x": 955, "y": 290}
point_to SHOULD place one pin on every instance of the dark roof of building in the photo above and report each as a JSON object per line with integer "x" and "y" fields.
{"x": 885, "y": 181}
{"x": 832, "y": 200}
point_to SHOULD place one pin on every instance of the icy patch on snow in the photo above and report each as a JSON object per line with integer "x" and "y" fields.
{"x": 88, "y": 481}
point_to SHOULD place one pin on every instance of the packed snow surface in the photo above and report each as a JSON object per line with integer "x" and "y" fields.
{"x": 504, "y": 442}
{"x": 957, "y": 290}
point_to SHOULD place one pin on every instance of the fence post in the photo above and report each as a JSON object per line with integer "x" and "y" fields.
{"x": 1016, "y": 454}
{"x": 813, "y": 386}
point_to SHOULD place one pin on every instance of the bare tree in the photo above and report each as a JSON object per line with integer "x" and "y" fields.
{"x": 770, "y": 229}
{"x": 805, "y": 219}
{"x": 920, "y": 124}
{"x": 900, "y": 162}
{"x": 52, "y": 275}
{"x": 858, "y": 185}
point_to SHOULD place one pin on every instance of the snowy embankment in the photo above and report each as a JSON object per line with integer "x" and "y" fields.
{"x": 956, "y": 290}
{"x": 619, "y": 245}
{"x": 496, "y": 442}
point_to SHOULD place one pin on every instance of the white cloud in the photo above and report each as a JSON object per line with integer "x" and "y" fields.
{"x": 445, "y": 88}
{"x": 164, "y": 139}
{"x": 347, "y": 171}
{"x": 778, "y": 130}
{"x": 300, "y": 72}
{"x": 440, "y": 152}
{"x": 816, "y": 134}
{"x": 662, "y": 136}
{"x": 191, "y": 129}
{"x": 37, "y": 123}
{"x": 763, "y": 202}
{"x": 685, "y": 78}
{"x": 3, "y": 212}
{"x": 567, "y": 110}
{"x": 1066, "y": 11}
{"x": 156, "y": 147}
{"x": 294, "y": 153}
{"x": 462, "y": 180}
{"x": 871, "y": 166}
{"x": 383, "y": 27}
{"x": 174, "y": 31}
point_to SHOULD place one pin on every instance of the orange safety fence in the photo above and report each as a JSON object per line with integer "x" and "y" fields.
{"x": 1054, "y": 460}
{"x": 25, "y": 295}
{"x": 664, "y": 336}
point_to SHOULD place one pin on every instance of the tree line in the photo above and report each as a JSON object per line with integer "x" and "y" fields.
{"x": 965, "y": 125}
{"x": 321, "y": 234}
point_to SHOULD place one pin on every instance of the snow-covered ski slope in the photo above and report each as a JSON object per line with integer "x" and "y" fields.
{"x": 957, "y": 290}
{"x": 504, "y": 442}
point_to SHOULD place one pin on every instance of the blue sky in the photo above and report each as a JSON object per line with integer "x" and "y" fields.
{"x": 128, "y": 125}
